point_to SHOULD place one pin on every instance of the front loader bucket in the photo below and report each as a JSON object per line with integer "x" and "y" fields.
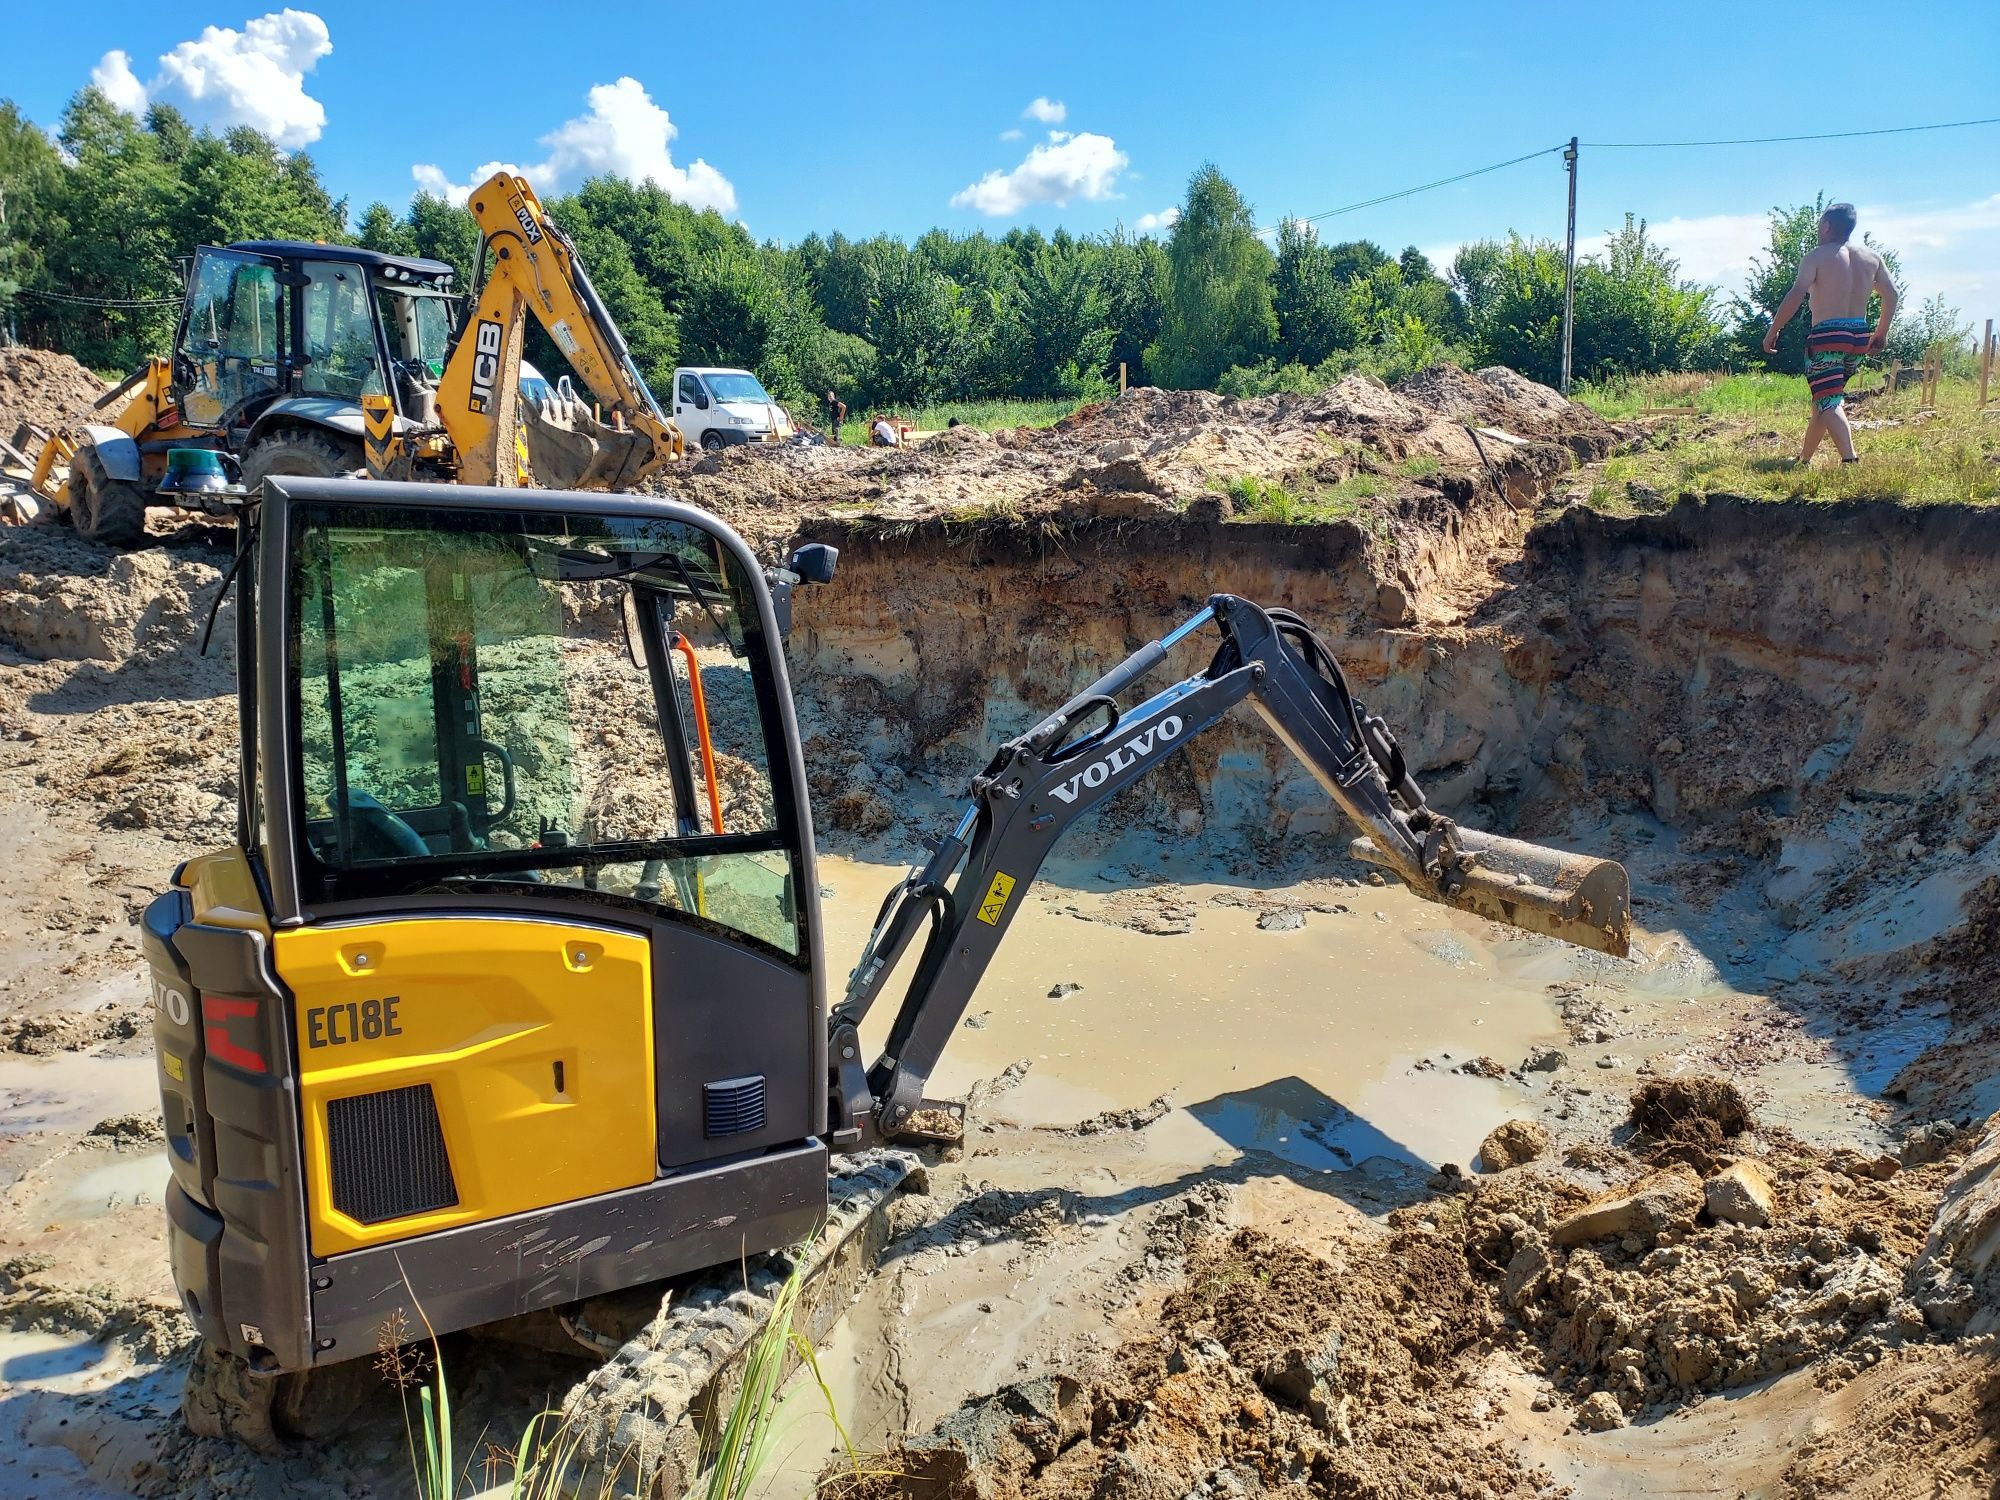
{"x": 1574, "y": 897}
{"x": 569, "y": 449}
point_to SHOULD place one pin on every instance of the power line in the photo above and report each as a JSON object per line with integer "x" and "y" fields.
{"x": 30, "y": 291}
{"x": 1771, "y": 140}
{"x": 1334, "y": 213}
{"x": 1762, "y": 140}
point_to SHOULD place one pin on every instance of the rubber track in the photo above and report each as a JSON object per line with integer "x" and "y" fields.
{"x": 643, "y": 1414}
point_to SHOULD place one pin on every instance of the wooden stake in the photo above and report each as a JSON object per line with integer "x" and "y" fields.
{"x": 1121, "y": 372}
{"x": 1986, "y": 364}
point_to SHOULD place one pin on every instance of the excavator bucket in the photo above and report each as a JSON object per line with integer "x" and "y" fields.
{"x": 1574, "y": 897}
{"x": 569, "y": 449}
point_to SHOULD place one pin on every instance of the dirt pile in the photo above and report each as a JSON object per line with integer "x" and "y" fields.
{"x": 1269, "y": 1367}
{"x": 1161, "y": 453}
{"x": 1671, "y": 1286}
{"x": 47, "y": 389}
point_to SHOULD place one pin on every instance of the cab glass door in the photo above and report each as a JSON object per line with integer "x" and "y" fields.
{"x": 230, "y": 356}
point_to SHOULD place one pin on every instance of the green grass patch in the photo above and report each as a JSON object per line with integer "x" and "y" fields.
{"x": 1714, "y": 394}
{"x": 1305, "y": 502}
{"x": 1947, "y": 454}
{"x": 990, "y": 415}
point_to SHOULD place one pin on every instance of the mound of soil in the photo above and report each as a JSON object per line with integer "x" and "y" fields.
{"x": 1270, "y": 1367}
{"x": 48, "y": 389}
{"x": 1158, "y": 453}
{"x": 1661, "y": 1316}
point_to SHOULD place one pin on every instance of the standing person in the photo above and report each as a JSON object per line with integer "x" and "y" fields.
{"x": 1839, "y": 277}
{"x": 836, "y": 413}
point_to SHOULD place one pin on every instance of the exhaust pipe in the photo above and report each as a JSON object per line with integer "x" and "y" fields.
{"x": 1575, "y": 897}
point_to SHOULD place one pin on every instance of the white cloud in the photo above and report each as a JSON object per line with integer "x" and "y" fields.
{"x": 1166, "y": 218}
{"x": 1048, "y": 111}
{"x": 113, "y": 75}
{"x": 1065, "y": 166}
{"x": 625, "y": 134}
{"x": 224, "y": 77}
{"x": 1012, "y": 135}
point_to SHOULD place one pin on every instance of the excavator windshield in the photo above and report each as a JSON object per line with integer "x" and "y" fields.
{"x": 512, "y": 700}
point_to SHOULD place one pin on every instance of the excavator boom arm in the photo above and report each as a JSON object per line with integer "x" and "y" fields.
{"x": 530, "y": 267}
{"x": 1042, "y": 782}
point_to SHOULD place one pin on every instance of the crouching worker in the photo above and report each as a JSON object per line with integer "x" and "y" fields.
{"x": 1839, "y": 278}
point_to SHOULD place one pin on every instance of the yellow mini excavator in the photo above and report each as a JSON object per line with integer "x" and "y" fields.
{"x": 509, "y": 1007}
{"x": 312, "y": 359}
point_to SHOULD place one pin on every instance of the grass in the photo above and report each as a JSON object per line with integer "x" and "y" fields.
{"x": 1714, "y": 394}
{"x": 990, "y": 415}
{"x": 547, "y": 1463}
{"x": 1311, "y": 503}
{"x": 1752, "y": 428}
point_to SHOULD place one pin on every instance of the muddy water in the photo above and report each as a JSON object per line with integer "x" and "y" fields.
{"x": 1331, "y": 1045}
{"x": 1324, "y": 1053}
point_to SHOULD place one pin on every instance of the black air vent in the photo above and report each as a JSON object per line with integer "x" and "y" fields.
{"x": 733, "y": 1106}
{"x": 387, "y": 1154}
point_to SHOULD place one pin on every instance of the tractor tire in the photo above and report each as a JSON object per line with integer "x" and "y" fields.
{"x": 711, "y": 441}
{"x": 301, "y": 451}
{"x": 103, "y": 509}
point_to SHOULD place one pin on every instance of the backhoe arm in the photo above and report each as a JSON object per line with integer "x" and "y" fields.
{"x": 1040, "y": 783}
{"x": 528, "y": 265}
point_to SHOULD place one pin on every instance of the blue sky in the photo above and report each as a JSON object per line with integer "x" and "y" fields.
{"x": 870, "y": 117}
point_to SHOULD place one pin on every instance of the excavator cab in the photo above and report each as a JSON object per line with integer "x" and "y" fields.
{"x": 509, "y": 994}
{"x": 281, "y": 332}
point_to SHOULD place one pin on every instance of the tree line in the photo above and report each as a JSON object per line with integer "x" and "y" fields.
{"x": 96, "y": 223}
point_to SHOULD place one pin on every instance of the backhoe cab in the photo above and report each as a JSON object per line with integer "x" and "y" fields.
{"x": 510, "y": 997}
{"x": 307, "y": 359}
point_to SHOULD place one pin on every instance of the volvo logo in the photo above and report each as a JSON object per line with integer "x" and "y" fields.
{"x": 1128, "y": 753}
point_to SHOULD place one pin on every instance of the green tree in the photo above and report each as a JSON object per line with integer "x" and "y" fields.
{"x": 380, "y": 229}
{"x": 443, "y": 231}
{"x": 1308, "y": 295}
{"x": 1065, "y": 323}
{"x": 239, "y": 186}
{"x": 921, "y": 330}
{"x": 31, "y": 181}
{"x": 121, "y": 204}
{"x": 1133, "y": 273}
{"x": 1634, "y": 313}
{"x": 1218, "y": 309}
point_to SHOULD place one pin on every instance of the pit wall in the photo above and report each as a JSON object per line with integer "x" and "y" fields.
{"x": 1726, "y": 657}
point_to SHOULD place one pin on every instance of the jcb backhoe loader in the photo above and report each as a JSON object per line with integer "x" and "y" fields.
{"x": 311, "y": 359}
{"x": 509, "y": 1005}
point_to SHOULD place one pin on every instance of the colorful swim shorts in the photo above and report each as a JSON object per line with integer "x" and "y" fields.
{"x": 1832, "y": 347}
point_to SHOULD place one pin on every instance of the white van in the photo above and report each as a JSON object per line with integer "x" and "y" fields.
{"x": 717, "y": 408}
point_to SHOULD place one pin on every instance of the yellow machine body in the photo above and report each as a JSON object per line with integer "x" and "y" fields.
{"x": 535, "y": 1038}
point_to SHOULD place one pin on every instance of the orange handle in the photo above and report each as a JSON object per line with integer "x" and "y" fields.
{"x": 686, "y": 649}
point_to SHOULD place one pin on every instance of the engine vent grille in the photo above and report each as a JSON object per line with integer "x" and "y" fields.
{"x": 387, "y": 1155}
{"x": 733, "y": 1106}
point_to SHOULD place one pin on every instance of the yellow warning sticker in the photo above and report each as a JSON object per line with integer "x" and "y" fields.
{"x": 475, "y": 780}
{"x": 173, "y": 1066}
{"x": 996, "y": 898}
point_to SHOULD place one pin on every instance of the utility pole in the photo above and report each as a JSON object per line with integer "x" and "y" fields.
{"x": 1569, "y": 270}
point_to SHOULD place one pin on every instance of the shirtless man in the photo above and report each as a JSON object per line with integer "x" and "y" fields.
{"x": 1838, "y": 277}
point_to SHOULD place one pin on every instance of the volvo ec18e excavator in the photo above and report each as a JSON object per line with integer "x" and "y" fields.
{"x": 509, "y": 1007}
{"x": 311, "y": 359}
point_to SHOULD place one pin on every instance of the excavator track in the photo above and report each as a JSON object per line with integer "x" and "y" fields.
{"x": 642, "y": 1419}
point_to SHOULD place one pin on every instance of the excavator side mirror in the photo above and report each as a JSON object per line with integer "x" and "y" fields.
{"x": 814, "y": 562}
